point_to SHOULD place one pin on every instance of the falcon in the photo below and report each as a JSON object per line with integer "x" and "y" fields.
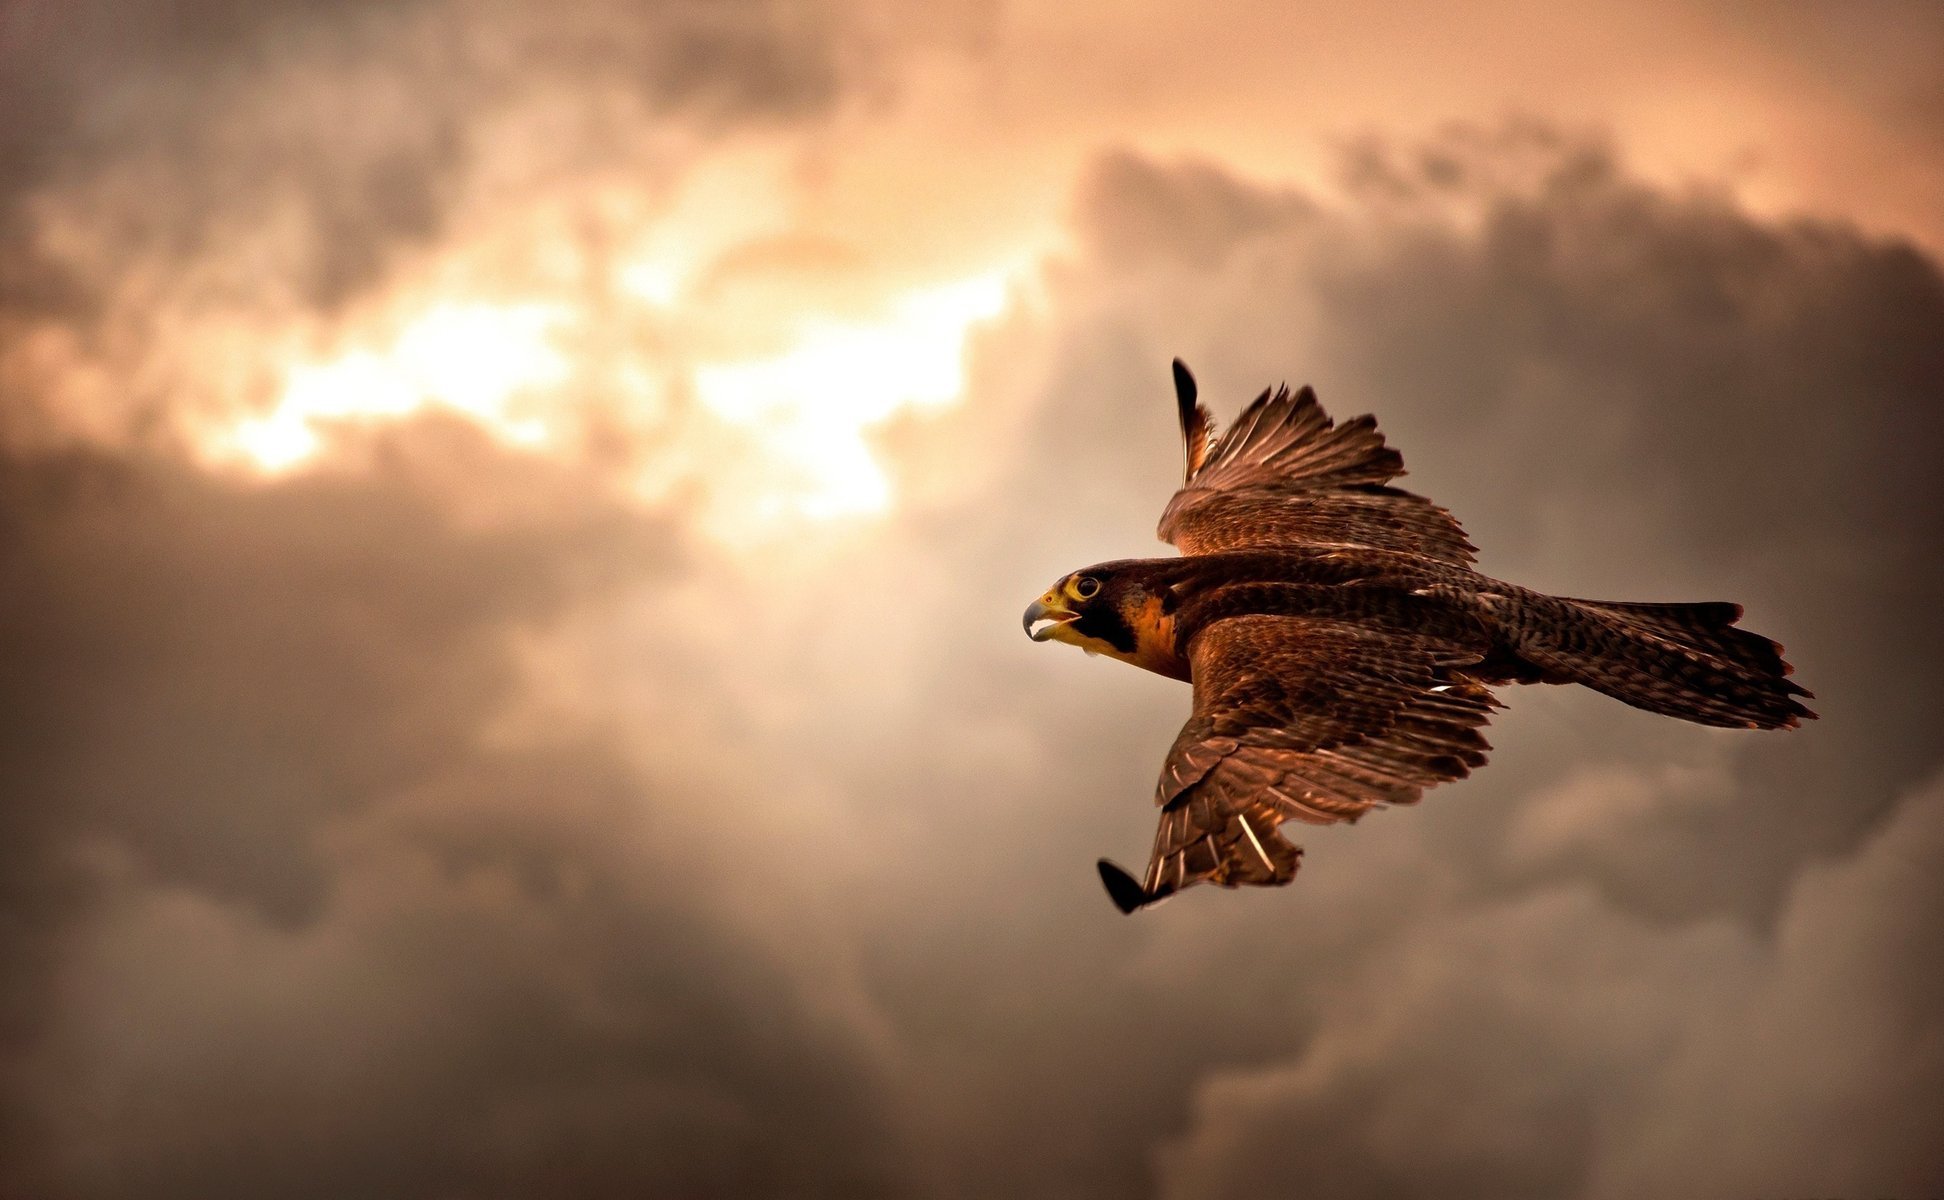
{"x": 1341, "y": 649}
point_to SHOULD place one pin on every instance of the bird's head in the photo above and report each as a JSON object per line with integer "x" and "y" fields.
{"x": 1113, "y": 609}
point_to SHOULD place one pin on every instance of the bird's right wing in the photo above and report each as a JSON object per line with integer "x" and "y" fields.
{"x": 1287, "y": 475}
{"x": 1302, "y": 719}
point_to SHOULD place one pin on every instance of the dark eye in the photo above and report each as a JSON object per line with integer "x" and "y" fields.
{"x": 1085, "y": 587}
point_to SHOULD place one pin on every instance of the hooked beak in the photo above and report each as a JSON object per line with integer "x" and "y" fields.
{"x": 1051, "y": 609}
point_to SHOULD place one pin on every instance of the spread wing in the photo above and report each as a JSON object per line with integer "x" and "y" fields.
{"x": 1286, "y": 474}
{"x": 1303, "y": 719}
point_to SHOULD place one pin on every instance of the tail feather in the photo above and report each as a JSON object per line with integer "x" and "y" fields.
{"x": 1708, "y": 626}
{"x": 1683, "y": 660}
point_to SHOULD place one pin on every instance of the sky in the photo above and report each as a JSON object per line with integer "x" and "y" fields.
{"x": 513, "y": 525}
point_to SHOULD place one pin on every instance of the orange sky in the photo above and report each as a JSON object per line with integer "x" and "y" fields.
{"x": 585, "y": 233}
{"x": 513, "y": 523}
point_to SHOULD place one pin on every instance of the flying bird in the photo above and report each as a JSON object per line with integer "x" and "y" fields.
{"x": 1343, "y": 651}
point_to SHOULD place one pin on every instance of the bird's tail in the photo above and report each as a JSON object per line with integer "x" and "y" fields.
{"x": 1683, "y": 660}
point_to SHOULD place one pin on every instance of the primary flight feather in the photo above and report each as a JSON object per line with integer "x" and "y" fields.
{"x": 1342, "y": 649}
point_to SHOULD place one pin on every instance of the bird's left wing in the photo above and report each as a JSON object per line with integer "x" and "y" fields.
{"x": 1305, "y": 719}
{"x": 1287, "y": 475}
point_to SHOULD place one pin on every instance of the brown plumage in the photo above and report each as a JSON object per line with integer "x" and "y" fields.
{"x": 1343, "y": 650}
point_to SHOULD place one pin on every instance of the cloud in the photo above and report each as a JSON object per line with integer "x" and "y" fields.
{"x": 1623, "y": 391}
{"x": 440, "y": 818}
{"x": 198, "y": 193}
{"x": 1554, "y": 1046}
{"x": 300, "y": 895}
{"x": 273, "y": 91}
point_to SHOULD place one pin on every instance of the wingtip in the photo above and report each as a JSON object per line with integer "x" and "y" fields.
{"x": 1185, "y": 389}
{"x": 1122, "y": 888}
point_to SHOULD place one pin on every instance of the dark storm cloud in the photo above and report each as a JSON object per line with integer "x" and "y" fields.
{"x": 286, "y": 917}
{"x": 165, "y": 582}
{"x": 1631, "y": 393}
{"x": 1624, "y": 391}
{"x": 289, "y": 910}
{"x": 352, "y": 132}
{"x": 1753, "y": 397}
{"x": 1551, "y": 1046}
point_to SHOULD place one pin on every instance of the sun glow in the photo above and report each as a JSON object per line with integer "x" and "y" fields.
{"x": 475, "y": 359}
{"x": 812, "y": 406}
{"x": 785, "y": 400}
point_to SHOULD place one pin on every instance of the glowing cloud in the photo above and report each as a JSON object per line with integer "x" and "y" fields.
{"x": 782, "y": 438}
{"x": 474, "y": 359}
{"x": 810, "y": 406}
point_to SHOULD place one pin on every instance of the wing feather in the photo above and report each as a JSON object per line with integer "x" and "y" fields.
{"x": 1303, "y": 719}
{"x": 1197, "y": 424}
{"x": 1286, "y": 475}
